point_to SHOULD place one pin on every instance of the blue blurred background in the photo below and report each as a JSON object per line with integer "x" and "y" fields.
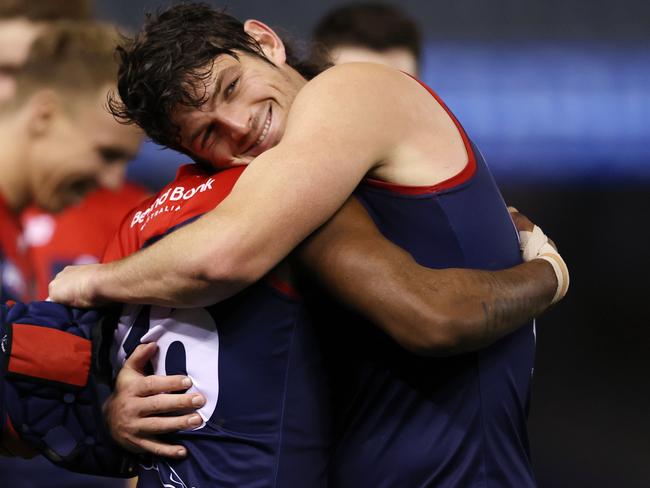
{"x": 557, "y": 96}
{"x": 549, "y": 90}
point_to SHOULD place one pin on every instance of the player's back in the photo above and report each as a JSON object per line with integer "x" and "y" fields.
{"x": 254, "y": 357}
{"x": 443, "y": 422}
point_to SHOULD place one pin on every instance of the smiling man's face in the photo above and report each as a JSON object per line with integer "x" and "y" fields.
{"x": 245, "y": 112}
{"x": 81, "y": 148}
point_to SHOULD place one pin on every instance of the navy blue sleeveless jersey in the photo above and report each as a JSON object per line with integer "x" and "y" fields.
{"x": 415, "y": 422}
{"x": 254, "y": 357}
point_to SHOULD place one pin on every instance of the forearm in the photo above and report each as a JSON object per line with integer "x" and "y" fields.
{"x": 435, "y": 312}
{"x": 475, "y": 308}
{"x": 428, "y": 311}
{"x": 182, "y": 270}
{"x": 228, "y": 248}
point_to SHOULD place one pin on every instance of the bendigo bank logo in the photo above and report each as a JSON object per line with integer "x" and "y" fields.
{"x": 170, "y": 201}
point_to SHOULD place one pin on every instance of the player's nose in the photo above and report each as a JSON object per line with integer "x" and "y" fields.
{"x": 234, "y": 123}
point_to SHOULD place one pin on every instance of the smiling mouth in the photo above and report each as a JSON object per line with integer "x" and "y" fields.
{"x": 265, "y": 130}
{"x": 81, "y": 187}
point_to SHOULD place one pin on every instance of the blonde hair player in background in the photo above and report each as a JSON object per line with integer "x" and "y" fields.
{"x": 78, "y": 234}
{"x": 57, "y": 142}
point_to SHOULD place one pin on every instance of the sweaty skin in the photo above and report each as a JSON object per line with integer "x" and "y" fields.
{"x": 324, "y": 136}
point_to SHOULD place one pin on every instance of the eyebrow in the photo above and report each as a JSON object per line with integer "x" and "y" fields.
{"x": 217, "y": 89}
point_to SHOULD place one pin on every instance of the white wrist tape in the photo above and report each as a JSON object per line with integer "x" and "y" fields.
{"x": 535, "y": 245}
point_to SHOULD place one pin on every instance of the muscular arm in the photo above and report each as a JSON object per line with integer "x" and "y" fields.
{"x": 283, "y": 196}
{"x": 427, "y": 311}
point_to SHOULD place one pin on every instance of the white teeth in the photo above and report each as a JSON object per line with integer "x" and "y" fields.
{"x": 265, "y": 131}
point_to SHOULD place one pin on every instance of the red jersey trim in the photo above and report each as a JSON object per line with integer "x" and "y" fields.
{"x": 49, "y": 354}
{"x": 191, "y": 169}
{"x": 463, "y": 176}
{"x": 282, "y": 286}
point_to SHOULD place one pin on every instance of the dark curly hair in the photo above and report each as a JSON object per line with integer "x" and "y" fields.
{"x": 169, "y": 63}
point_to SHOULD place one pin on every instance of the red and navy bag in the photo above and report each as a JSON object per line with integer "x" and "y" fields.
{"x": 55, "y": 376}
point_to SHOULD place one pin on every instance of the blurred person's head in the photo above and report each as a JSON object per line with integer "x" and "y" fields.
{"x": 20, "y": 23}
{"x": 369, "y": 32}
{"x": 199, "y": 80}
{"x": 57, "y": 140}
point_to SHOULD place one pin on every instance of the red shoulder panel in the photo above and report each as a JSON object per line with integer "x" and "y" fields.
{"x": 193, "y": 193}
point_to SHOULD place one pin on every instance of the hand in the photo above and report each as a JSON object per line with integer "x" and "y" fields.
{"x": 523, "y": 223}
{"x": 74, "y": 286}
{"x": 520, "y": 220}
{"x": 133, "y": 411}
{"x": 535, "y": 245}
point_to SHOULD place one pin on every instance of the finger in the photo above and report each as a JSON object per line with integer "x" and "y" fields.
{"x": 164, "y": 425}
{"x": 51, "y": 290}
{"x": 170, "y": 403}
{"x": 513, "y": 210}
{"x": 156, "y": 384}
{"x": 522, "y": 222}
{"x": 161, "y": 449}
{"x": 141, "y": 356}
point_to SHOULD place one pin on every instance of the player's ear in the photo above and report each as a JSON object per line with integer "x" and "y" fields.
{"x": 269, "y": 41}
{"x": 43, "y": 108}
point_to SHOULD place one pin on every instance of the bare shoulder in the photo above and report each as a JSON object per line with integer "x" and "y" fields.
{"x": 386, "y": 118}
{"x": 347, "y": 97}
{"x": 355, "y": 82}
{"x": 358, "y": 73}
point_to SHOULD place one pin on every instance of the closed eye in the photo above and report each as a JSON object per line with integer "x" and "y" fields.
{"x": 206, "y": 135}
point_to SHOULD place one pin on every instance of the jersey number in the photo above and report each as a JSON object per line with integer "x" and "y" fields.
{"x": 188, "y": 344}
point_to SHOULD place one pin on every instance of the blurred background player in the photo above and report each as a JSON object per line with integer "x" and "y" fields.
{"x": 17, "y": 32}
{"x": 57, "y": 142}
{"x": 79, "y": 234}
{"x": 20, "y": 23}
{"x": 369, "y": 32}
